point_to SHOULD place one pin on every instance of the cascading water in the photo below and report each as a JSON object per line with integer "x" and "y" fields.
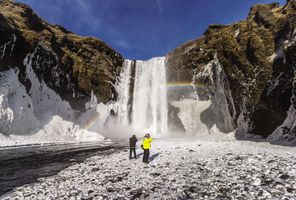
{"x": 124, "y": 94}
{"x": 142, "y": 102}
{"x": 146, "y": 104}
{"x": 150, "y": 106}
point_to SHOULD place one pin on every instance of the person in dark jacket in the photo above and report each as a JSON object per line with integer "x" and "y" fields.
{"x": 133, "y": 140}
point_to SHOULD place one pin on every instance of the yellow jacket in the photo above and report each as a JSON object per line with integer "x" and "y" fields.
{"x": 146, "y": 143}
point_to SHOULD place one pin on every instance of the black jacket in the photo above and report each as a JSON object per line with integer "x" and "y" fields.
{"x": 133, "y": 141}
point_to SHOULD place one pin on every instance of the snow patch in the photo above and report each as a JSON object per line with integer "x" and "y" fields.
{"x": 278, "y": 54}
{"x": 11, "y": 43}
{"x": 236, "y": 33}
{"x": 289, "y": 124}
{"x": 274, "y": 83}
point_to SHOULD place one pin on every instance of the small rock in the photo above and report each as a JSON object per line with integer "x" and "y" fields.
{"x": 137, "y": 192}
{"x": 110, "y": 188}
{"x": 120, "y": 197}
{"x": 290, "y": 190}
{"x": 257, "y": 182}
{"x": 284, "y": 176}
{"x": 238, "y": 158}
{"x": 155, "y": 174}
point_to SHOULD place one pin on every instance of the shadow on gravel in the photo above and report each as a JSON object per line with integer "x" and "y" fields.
{"x": 139, "y": 155}
{"x": 153, "y": 157}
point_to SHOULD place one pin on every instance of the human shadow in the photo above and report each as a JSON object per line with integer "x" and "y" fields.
{"x": 138, "y": 155}
{"x": 151, "y": 158}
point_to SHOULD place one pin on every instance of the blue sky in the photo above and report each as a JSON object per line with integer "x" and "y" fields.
{"x": 141, "y": 29}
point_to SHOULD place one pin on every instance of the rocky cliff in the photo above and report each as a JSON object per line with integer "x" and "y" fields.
{"x": 251, "y": 64}
{"x": 245, "y": 73}
{"x": 50, "y": 79}
{"x": 71, "y": 65}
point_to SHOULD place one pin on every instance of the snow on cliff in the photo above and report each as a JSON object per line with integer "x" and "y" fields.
{"x": 36, "y": 116}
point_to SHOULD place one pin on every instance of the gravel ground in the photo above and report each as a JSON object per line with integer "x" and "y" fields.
{"x": 180, "y": 169}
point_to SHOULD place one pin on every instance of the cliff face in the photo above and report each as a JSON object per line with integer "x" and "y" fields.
{"x": 71, "y": 65}
{"x": 246, "y": 70}
{"x": 252, "y": 63}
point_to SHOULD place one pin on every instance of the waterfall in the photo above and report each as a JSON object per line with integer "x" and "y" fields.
{"x": 124, "y": 92}
{"x": 146, "y": 104}
{"x": 142, "y": 100}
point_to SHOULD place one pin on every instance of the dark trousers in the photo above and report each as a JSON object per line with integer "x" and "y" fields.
{"x": 146, "y": 156}
{"x": 131, "y": 152}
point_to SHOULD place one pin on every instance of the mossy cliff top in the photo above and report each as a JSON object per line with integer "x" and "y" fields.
{"x": 252, "y": 54}
{"x": 91, "y": 64}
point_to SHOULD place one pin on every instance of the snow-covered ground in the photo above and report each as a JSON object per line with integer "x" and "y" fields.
{"x": 219, "y": 168}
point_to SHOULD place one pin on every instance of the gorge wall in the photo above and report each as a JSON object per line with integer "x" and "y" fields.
{"x": 255, "y": 59}
{"x": 65, "y": 61}
{"x": 48, "y": 74}
{"x": 238, "y": 77}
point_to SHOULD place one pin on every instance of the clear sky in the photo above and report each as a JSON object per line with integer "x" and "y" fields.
{"x": 141, "y": 29}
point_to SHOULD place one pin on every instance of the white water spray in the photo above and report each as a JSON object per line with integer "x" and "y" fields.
{"x": 124, "y": 92}
{"x": 148, "y": 108}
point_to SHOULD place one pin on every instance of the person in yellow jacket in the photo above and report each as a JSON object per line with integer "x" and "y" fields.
{"x": 146, "y": 145}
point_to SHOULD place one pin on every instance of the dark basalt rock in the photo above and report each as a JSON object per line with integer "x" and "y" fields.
{"x": 71, "y": 65}
{"x": 261, "y": 83}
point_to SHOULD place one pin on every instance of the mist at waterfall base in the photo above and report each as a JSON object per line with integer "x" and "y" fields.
{"x": 147, "y": 103}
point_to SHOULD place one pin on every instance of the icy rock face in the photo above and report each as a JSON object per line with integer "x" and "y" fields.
{"x": 16, "y": 107}
{"x": 45, "y": 100}
{"x": 70, "y": 65}
{"x": 37, "y": 114}
{"x": 19, "y": 123}
{"x": 287, "y": 131}
{"x": 255, "y": 72}
{"x": 190, "y": 114}
{"x": 222, "y": 107}
{"x": 48, "y": 75}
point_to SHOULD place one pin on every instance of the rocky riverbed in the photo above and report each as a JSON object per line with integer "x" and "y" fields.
{"x": 179, "y": 169}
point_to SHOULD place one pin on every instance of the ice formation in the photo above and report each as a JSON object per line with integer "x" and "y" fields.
{"x": 16, "y": 108}
{"x": 222, "y": 107}
{"x": 190, "y": 115}
{"x": 39, "y": 115}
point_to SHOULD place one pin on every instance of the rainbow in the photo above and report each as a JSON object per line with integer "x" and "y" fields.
{"x": 184, "y": 84}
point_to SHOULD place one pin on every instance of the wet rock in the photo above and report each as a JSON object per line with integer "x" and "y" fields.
{"x": 110, "y": 188}
{"x": 136, "y": 192}
{"x": 155, "y": 174}
{"x": 284, "y": 176}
